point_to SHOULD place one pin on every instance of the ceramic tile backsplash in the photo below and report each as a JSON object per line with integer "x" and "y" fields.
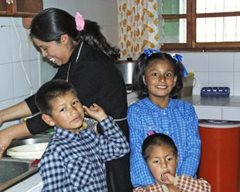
{"x": 5, "y": 47}
{"x": 221, "y": 62}
{"x": 17, "y": 55}
{"x": 201, "y": 80}
{"x": 221, "y": 79}
{"x": 236, "y": 62}
{"x": 215, "y": 69}
{"x": 6, "y": 82}
{"x": 196, "y": 61}
{"x": 236, "y": 87}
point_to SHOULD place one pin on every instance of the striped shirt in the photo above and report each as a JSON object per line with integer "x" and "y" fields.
{"x": 76, "y": 162}
{"x": 178, "y": 120}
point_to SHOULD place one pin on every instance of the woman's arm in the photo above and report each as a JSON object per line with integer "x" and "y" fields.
{"x": 14, "y": 112}
{"x": 10, "y": 133}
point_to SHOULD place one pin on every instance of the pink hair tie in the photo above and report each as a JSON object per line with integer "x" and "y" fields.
{"x": 151, "y": 132}
{"x": 79, "y": 22}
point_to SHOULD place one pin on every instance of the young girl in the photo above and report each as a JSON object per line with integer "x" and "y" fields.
{"x": 157, "y": 77}
{"x": 161, "y": 156}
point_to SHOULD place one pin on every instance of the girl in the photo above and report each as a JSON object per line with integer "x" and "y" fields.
{"x": 157, "y": 78}
{"x": 161, "y": 156}
{"x": 85, "y": 59}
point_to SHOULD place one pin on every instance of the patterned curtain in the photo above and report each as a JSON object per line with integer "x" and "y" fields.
{"x": 140, "y": 26}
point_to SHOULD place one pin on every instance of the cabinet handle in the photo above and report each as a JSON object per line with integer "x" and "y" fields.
{"x": 9, "y": 2}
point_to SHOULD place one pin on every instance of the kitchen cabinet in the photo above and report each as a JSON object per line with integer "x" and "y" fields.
{"x": 24, "y": 8}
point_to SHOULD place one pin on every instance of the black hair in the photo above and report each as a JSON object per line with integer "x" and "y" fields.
{"x": 141, "y": 65}
{"x": 49, "y": 91}
{"x": 51, "y": 23}
{"x": 157, "y": 139}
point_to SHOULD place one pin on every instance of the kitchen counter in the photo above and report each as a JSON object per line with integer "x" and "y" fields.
{"x": 212, "y": 108}
{"x": 31, "y": 184}
{"x": 216, "y": 108}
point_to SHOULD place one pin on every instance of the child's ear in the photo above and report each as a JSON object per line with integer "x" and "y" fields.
{"x": 48, "y": 119}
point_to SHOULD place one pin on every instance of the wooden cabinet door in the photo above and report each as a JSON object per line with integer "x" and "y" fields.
{"x": 20, "y": 7}
{"x": 3, "y": 7}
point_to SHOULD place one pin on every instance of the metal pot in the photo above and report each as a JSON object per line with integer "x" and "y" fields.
{"x": 126, "y": 68}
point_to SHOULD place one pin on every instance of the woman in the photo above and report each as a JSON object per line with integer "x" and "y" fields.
{"x": 85, "y": 59}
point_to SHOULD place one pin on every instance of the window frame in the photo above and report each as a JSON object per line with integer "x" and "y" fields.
{"x": 191, "y": 44}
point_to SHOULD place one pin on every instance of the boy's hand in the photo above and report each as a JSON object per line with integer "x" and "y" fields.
{"x": 95, "y": 111}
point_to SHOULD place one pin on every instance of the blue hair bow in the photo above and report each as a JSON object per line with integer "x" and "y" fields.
{"x": 178, "y": 58}
{"x": 149, "y": 51}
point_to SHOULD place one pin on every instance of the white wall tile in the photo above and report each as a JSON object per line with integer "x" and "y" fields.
{"x": 221, "y": 79}
{"x": 221, "y": 61}
{"x": 236, "y": 88}
{"x": 21, "y": 74}
{"x": 201, "y": 80}
{"x": 5, "y": 45}
{"x": 52, "y": 3}
{"x": 196, "y": 61}
{"x": 20, "y": 43}
{"x": 35, "y": 74}
{"x": 237, "y": 61}
{"x": 6, "y": 81}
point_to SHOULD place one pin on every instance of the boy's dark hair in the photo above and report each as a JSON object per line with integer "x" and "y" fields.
{"x": 157, "y": 139}
{"x": 141, "y": 65}
{"x": 51, "y": 23}
{"x": 49, "y": 91}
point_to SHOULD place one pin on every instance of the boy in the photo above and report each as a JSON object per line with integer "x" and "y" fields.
{"x": 75, "y": 157}
{"x": 161, "y": 156}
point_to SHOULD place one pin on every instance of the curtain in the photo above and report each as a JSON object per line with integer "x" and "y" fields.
{"x": 139, "y": 26}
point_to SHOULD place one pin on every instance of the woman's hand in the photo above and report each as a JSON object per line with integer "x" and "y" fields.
{"x": 5, "y": 141}
{"x": 95, "y": 111}
{"x": 13, "y": 132}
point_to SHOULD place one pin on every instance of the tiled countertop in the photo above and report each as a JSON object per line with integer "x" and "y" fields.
{"x": 216, "y": 108}
{"x": 212, "y": 108}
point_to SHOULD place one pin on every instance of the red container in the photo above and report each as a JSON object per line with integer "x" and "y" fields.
{"x": 220, "y": 155}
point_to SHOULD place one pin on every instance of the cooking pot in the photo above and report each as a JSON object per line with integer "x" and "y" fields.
{"x": 126, "y": 68}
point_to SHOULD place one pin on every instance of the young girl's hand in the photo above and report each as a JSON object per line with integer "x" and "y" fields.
{"x": 95, "y": 111}
{"x": 167, "y": 178}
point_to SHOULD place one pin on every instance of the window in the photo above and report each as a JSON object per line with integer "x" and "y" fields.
{"x": 201, "y": 24}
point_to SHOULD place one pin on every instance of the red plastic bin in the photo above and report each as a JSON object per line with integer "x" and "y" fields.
{"x": 220, "y": 155}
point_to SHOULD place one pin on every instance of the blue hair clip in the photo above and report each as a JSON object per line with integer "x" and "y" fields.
{"x": 148, "y": 52}
{"x": 178, "y": 58}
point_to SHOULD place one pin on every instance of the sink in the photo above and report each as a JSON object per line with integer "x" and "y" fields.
{"x": 13, "y": 171}
{"x": 31, "y": 140}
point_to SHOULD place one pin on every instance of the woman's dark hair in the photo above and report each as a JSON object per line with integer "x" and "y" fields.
{"x": 157, "y": 139}
{"x": 49, "y": 91}
{"x": 51, "y": 23}
{"x": 144, "y": 61}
